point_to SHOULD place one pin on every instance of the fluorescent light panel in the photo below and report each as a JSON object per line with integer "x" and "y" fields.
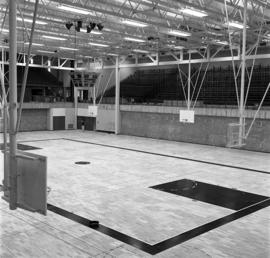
{"x": 73, "y": 9}
{"x": 221, "y": 42}
{"x": 98, "y": 44}
{"x": 178, "y": 47}
{"x": 194, "y": 12}
{"x": 30, "y": 21}
{"x": 92, "y": 31}
{"x": 96, "y": 32}
{"x": 68, "y": 48}
{"x": 45, "y": 51}
{"x": 134, "y": 39}
{"x": 134, "y": 23}
{"x": 54, "y": 38}
{"x": 179, "y": 33}
{"x": 236, "y": 25}
{"x": 140, "y": 51}
{"x": 33, "y": 44}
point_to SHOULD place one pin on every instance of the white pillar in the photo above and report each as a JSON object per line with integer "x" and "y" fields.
{"x": 75, "y": 92}
{"x": 117, "y": 96}
{"x": 189, "y": 82}
{"x": 13, "y": 102}
{"x": 242, "y": 89}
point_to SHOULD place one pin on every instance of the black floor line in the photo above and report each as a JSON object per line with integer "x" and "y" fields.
{"x": 103, "y": 229}
{"x": 42, "y": 140}
{"x": 166, "y": 244}
{"x": 171, "y": 242}
{"x": 171, "y": 156}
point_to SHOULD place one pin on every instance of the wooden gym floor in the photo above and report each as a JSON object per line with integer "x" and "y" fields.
{"x": 152, "y": 198}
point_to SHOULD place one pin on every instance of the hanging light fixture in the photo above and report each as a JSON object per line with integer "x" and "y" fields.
{"x": 100, "y": 26}
{"x": 69, "y": 25}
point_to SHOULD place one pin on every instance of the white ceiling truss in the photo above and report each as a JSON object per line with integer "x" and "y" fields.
{"x": 158, "y": 25}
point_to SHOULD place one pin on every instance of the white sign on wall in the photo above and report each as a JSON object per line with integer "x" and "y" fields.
{"x": 92, "y": 111}
{"x": 186, "y": 116}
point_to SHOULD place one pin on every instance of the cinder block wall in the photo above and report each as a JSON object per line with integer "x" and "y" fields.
{"x": 34, "y": 120}
{"x": 210, "y": 130}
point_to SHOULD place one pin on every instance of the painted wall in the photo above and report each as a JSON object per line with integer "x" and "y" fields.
{"x": 208, "y": 130}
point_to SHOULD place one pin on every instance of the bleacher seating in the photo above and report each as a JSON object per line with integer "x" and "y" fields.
{"x": 218, "y": 87}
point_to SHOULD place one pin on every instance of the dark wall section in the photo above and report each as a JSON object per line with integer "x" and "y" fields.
{"x": 88, "y": 122}
{"x": 208, "y": 130}
{"x": 59, "y": 123}
{"x": 34, "y": 120}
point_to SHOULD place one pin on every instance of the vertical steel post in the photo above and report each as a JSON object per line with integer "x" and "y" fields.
{"x": 242, "y": 89}
{"x": 189, "y": 82}
{"x": 13, "y": 103}
{"x": 75, "y": 107}
{"x": 94, "y": 95}
{"x": 29, "y": 60}
{"x": 5, "y": 121}
{"x": 117, "y": 97}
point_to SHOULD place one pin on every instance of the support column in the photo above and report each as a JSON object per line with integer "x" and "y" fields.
{"x": 75, "y": 92}
{"x": 242, "y": 89}
{"x": 13, "y": 102}
{"x": 117, "y": 97}
{"x": 189, "y": 82}
{"x": 5, "y": 121}
{"x": 94, "y": 94}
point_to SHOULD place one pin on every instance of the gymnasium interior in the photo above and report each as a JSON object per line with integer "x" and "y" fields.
{"x": 135, "y": 128}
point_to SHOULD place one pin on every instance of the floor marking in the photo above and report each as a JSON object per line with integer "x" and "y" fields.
{"x": 42, "y": 140}
{"x": 169, "y": 243}
{"x": 171, "y": 156}
{"x": 213, "y": 194}
{"x": 22, "y": 147}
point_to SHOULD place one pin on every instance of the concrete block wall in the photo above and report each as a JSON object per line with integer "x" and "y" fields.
{"x": 210, "y": 130}
{"x": 34, "y": 120}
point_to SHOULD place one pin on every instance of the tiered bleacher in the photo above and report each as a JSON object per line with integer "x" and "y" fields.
{"x": 165, "y": 86}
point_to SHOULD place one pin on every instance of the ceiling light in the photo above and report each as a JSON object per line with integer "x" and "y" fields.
{"x": 134, "y": 39}
{"x": 236, "y": 25}
{"x": 140, "y": 51}
{"x": 221, "y": 42}
{"x": 98, "y": 44}
{"x": 4, "y": 30}
{"x": 92, "y": 25}
{"x": 175, "y": 15}
{"x": 112, "y": 54}
{"x": 89, "y": 27}
{"x": 178, "y": 47}
{"x": 87, "y": 30}
{"x": 73, "y": 9}
{"x": 45, "y": 51}
{"x": 134, "y": 23}
{"x": 215, "y": 33}
{"x": 194, "y": 12}
{"x": 68, "y": 48}
{"x": 30, "y": 21}
{"x": 96, "y": 32}
{"x": 78, "y": 26}
{"x": 69, "y": 25}
{"x": 51, "y": 37}
{"x": 33, "y": 44}
{"x": 179, "y": 33}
